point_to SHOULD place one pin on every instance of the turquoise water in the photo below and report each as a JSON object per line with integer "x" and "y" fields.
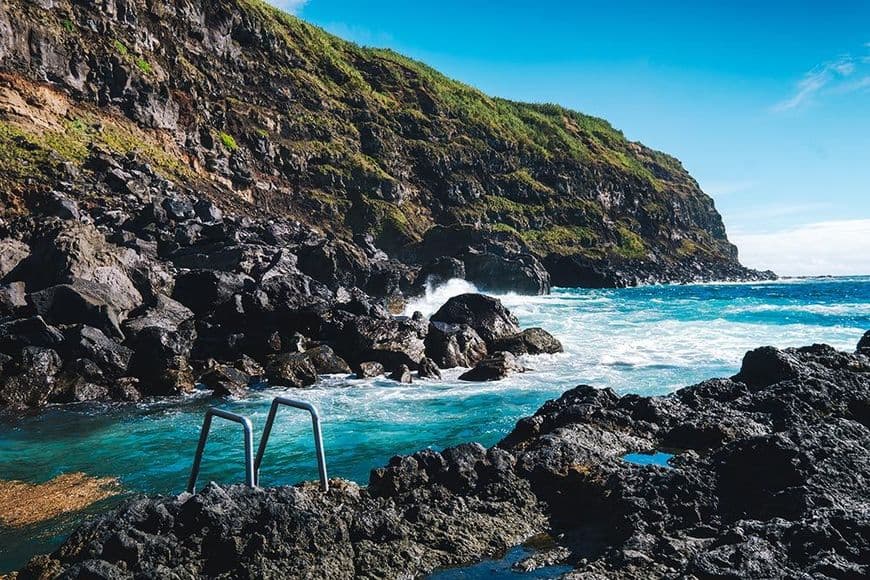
{"x": 639, "y": 340}
{"x": 658, "y": 458}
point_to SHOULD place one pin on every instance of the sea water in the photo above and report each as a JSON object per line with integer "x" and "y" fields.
{"x": 648, "y": 340}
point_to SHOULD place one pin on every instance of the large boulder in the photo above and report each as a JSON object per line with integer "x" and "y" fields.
{"x": 164, "y": 313}
{"x": 864, "y": 344}
{"x": 82, "y": 302}
{"x": 12, "y": 252}
{"x": 204, "y": 290}
{"x": 225, "y": 380}
{"x": 63, "y": 252}
{"x": 493, "y": 368}
{"x": 91, "y": 343}
{"x": 486, "y": 315}
{"x": 13, "y": 298}
{"x": 428, "y": 369}
{"x": 29, "y": 378}
{"x": 335, "y": 263}
{"x": 530, "y": 341}
{"x": 292, "y": 370}
{"x": 326, "y": 362}
{"x": 454, "y": 345}
{"x": 389, "y": 341}
{"x": 23, "y": 332}
{"x": 161, "y": 359}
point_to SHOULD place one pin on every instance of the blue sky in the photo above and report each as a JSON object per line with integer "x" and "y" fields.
{"x": 766, "y": 103}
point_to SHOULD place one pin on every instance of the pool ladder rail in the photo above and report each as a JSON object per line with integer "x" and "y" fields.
{"x": 252, "y": 463}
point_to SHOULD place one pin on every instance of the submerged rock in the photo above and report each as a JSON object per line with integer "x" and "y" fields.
{"x": 402, "y": 374}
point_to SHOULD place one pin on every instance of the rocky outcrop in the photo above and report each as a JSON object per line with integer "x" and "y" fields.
{"x": 864, "y": 344}
{"x": 767, "y": 481}
{"x": 376, "y": 156}
{"x": 529, "y": 341}
{"x": 493, "y": 368}
{"x": 486, "y": 315}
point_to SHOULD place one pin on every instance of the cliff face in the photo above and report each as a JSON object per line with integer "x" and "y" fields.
{"x": 272, "y": 117}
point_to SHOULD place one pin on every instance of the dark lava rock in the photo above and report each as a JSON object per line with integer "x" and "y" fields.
{"x": 326, "y": 362}
{"x": 18, "y": 333}
{"x": 521, "y": 273}
{"x": 12, "y": 252}
{"x": 161, "y": 359}
{"x": 112, "y": 358}
{"x": 402, "y": 374}
{"x": 29, "y": 378}
{"x": 529, "y": 341}
{"x": 438, "y": 271}
{"x": 203, "y": 290}
{"x": 486, "y": 315}
{"x": 493, "y": 368}
{"x": 778, "y": 492}
{"x": 428, "y": 369}
{"x": 292, "y": 370}
{"x": 454, "y": 345}
{"x": 389, "y": 341}
{"x": 164, "y": 313}
{"x": 369, "y": 369}
{"x": 864, "y": 344}
{"x": 82, "y": 302}
{"x": 13, "y": 299}
{"x": 225, "y": 380}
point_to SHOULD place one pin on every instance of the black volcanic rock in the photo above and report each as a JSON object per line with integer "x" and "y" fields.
{"x": 454, "y": 345}
{"x": 428, "y": 369}
{"x": 486, "y": 315}
{"x": 495, "y": 367}
{"x": 529, "y": 341}
{"x": 864, "y": 344}
{"x": 780, "y": 493}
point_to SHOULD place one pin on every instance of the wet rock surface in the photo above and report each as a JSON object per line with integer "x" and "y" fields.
{"x": 768, "y": 480}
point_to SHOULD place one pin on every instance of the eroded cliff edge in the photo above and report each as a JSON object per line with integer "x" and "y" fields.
{"x": 769, "y": 480}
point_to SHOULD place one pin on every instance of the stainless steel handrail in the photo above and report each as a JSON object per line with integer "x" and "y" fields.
{"x": 250, "y": 474}
{"x": 315, "y": 426}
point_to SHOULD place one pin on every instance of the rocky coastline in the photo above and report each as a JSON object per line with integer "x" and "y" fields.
{"x": 767, "y": 480}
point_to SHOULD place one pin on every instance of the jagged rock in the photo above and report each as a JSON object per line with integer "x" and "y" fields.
{"x": 864, "y": 344}
{"x": 767, "y": 365}
{"x": 250, "y": 367}
{"x": 203, "y": 290}
{"x": 24, "y": 332}
{"x": 326, "y": 362}
{"x": 13, "y": 298}
{"x": 12, "y": 252}
{"x": 66, "y": 252}
{"x": 493, "y": 368}
{"x": 225, "y": 380}
{"x": 82, "y": 302}
{"x": 486, "y": 315}
{"x": 88, "y": 342}
{"x": 164, "y": 313}
{"x": 30, "y": 382}
{"x": 529, "y": 341}
{"x": 369, "y": 370}
{"x": 439, "y": 271}
{"x": 161, "y": 359}
{"x": 207, "y": 211}
{"x": 402, "y": 374}
{"x": 335, "y": 263}
{"x": 389, "y": 341}
{"x": 521, "y": 273}
{"x": 428, "y": 369}
{"x": 292, "y": 370}
{"x": 454, "y": 345}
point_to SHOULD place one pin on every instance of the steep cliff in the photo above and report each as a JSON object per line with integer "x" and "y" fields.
{"x": 272, "y": 117}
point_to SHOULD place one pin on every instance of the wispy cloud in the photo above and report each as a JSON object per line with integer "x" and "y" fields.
{"x": 291, "y": 6}
{"x": 845, "y": 74}
{"x": 839, "y": 247}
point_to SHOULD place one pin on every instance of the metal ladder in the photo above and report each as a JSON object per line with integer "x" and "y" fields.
{"x": 252, "y": 465}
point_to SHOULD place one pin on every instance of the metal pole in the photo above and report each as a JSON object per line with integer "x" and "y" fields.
{"x": 315, "y": 426}
{"x": 250, "y": 475}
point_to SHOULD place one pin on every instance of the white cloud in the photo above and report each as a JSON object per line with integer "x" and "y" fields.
{"x": 832, "y": 247}
{"x": 832, "y": 76}
{"x": 291, "y": 6}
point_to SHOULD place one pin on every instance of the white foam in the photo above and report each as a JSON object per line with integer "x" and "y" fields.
{"x": 436, "y": 296}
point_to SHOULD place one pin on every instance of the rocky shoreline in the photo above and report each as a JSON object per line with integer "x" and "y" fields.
{"x": 768, "y": 480}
